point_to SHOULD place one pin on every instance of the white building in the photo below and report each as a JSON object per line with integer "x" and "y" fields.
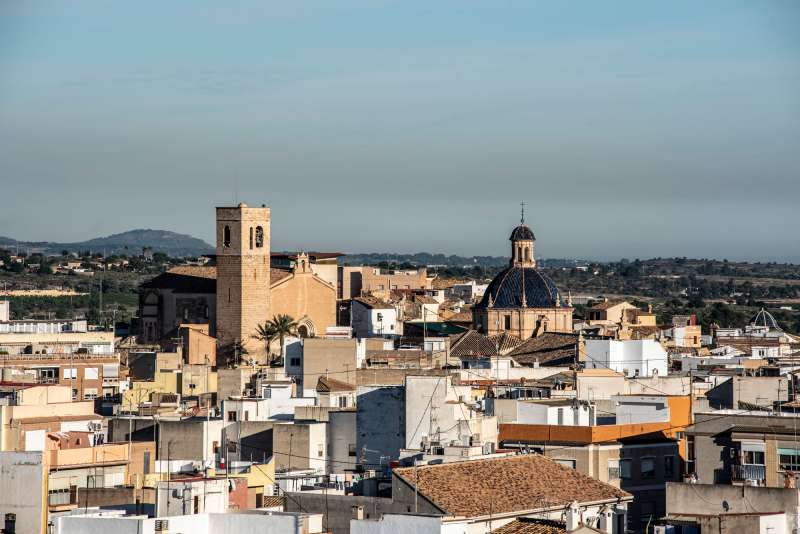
{"x": 259, "y": 521}
{"x": 561, "y": 412}
{"x": 468, "y": 291}
{"x": 437, "y": 412}
{"x": 641, "y": 409}
{"x": 372, "y": 317}
{"x": 639, "y": 357}
{"x": 280, "y": 406}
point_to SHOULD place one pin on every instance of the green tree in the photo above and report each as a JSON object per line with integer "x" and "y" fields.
{"x": 266, "y": 332}
{"x": 283, "y": 325}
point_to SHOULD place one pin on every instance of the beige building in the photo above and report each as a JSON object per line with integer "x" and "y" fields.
{"x": 360, "y": 280}
{"x": 522, "y": 300}
{"x": 34, "y": 411}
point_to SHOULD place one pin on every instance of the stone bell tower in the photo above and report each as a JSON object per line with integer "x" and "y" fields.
{"x": 243, "y": 268}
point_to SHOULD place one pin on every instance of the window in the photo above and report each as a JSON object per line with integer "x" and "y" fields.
{"x": 613, "y": 469}
{"x": 648, "y": 467}
{"x": 246, "y": 415}
{"x": 351, "y": 449}
{"x": 215, "y": 446}
{"x": 226, "y": 236}
{"x": 669, "y": 466}
{"x": 343, "y": 401}
{"x": 251, "y": 238}
{"x": 507, "y": 322}
{"x": 91, "y": 373}
{"x": 259, "y": 237}
{"x": 232, "y": 416}
{"x": 625, "y": 468}
{"x": 320, "y": 450}
{"x": 294, "y": 361}
{"x": 70, "y": 372}
{"x": 789, "y": 459}
{"x": 566, "y": 462}
{"x": 753, "y": 457}
{"x": 74, "y": 394}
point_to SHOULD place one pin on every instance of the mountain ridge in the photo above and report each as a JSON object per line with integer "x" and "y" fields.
{"x": 128, "y": 242}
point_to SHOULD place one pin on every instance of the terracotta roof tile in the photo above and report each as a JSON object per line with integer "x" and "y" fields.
{"x": 471, "y": 344}
{"x": 328, "y": 385}
{"x": 506, "y": 342}
{"x": 505, "y": 485}
{"x": 548, "y": 348}
{"x": 528, "y": 525}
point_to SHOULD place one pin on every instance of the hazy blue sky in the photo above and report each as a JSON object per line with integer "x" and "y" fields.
{"x": 633, "y": 129}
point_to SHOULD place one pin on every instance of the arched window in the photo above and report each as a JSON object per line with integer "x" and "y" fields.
{"x": 303, "y": 331}
{"x": 259, "y": 237}
{"x": 251, "y": 238}
{"x": 519, "y": 253}
{"x": 527, "y": 254}
{"x": 226, "y": 236}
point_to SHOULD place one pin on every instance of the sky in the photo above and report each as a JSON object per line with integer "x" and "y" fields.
{"x": 630, "y": 129}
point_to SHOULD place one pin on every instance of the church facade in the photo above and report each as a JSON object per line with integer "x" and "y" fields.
{"x": 521, "y": 300}
{"x": 239, "y": 291}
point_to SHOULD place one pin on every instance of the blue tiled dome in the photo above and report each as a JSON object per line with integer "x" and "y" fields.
{"x": 505, "y": 291}
{"x": 522, "y": 233}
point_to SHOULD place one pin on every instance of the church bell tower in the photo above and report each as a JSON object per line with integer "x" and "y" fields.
{"x": 243, "y": 269}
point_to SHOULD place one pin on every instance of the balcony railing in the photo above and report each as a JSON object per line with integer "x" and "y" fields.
{"x": 749, "y": 472}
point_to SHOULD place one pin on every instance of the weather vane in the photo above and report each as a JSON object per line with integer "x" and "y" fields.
{"x": 522, "y": 216}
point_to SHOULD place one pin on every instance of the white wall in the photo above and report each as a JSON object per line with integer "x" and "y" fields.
{"x": 640, "y": 357}
{"x": 641, "y": 409}
{"x": 533, "y": 413}
{"x": 187, "y": 524}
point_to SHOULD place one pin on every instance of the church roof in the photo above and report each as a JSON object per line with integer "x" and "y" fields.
{"x": 547, "y": 349}
{"x": 471, "y": 344}
{"x": 198, "y": 279}
{"x": 522, "y": 233}
{"x": 505, "y": 291}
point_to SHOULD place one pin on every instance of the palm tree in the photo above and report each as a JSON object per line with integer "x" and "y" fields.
{"x": 266, "y": 333}
{"x": 283, "y": 325}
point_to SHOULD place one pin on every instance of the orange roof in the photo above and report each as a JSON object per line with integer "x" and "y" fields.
{"x": 511, "y": 484}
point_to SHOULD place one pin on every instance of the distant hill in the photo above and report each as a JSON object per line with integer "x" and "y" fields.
{"x": 130, "y": 243}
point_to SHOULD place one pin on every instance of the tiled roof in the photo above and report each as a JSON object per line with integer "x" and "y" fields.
{"x": 202, "y": 271}
{"x": 328, "y": 385}
{"x": 183, "y": 283}
{"x": 471, "y": 344}
{"x": 529, "y": 525}
{"x": 198, "y": 279}
{"x": 522, "y": 232}
{"x": 505, "y": 485}
{"x": 505, "y": 291}
{"x": 374, "y": 303}
{"x": 607, "y": 304}
{"x": 505, "y": 342}
{"x": 548, "y": 348}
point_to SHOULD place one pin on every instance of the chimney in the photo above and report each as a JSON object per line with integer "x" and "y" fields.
{"x": 573, "y": 517}
{"x": 358, "y": 512}
{"x": 606, "y": 521}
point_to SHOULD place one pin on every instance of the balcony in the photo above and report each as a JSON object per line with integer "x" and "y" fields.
{"x": 749, "y": 472}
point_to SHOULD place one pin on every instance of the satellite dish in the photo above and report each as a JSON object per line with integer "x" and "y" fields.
{"x": 726, "y": 506}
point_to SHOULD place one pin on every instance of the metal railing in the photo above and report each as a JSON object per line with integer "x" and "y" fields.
{"x": 749, "y": 472}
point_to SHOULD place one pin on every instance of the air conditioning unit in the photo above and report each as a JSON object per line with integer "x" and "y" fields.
{"x": 162, "y": 525}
